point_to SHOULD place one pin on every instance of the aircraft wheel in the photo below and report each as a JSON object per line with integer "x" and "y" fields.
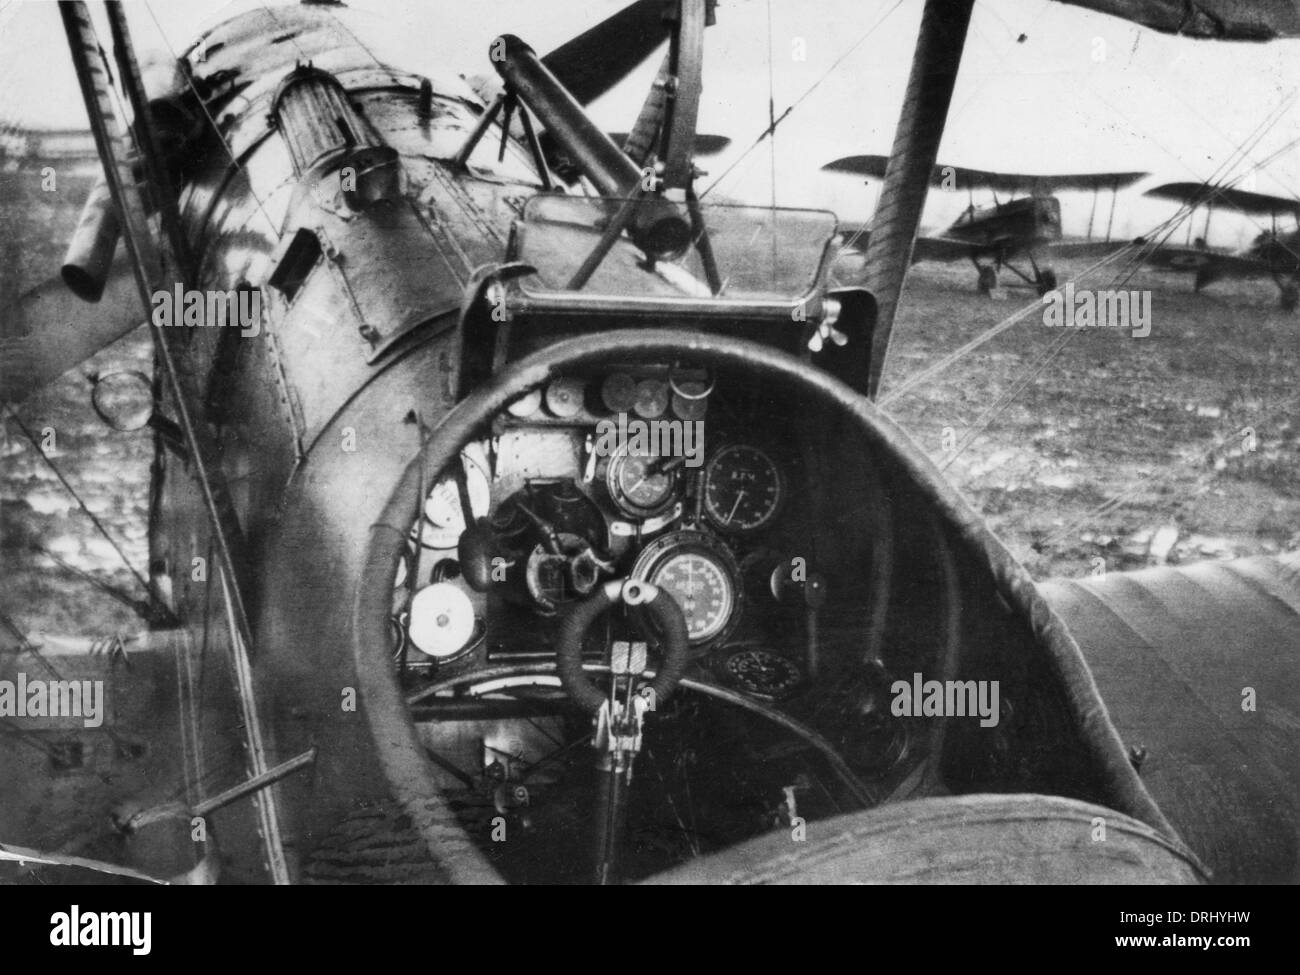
{"x": 1046, "y": 280}
{"x": 988, "y": 280}
{"x": 1290, "y": 297}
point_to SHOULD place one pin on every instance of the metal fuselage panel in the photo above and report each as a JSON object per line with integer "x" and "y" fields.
{"x": 356, "y": 335}
{"x": 1007, "y": 228}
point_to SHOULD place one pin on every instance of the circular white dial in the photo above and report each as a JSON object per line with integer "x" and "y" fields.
{"x": 441, "y": 623}
{"x": 443, "y": 513}
{"x": 702, "y": 588}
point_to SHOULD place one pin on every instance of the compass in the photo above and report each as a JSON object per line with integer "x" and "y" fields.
{"x": 762, "y": 673}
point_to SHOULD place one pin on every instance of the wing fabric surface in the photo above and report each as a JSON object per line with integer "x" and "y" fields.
{"x": 51, "y": 330}
{"x": 1200, "y": 668}
{"x": 965, "y": 178}
{"x": 1226, "y": 20}
{"x": 1226, "y": 198}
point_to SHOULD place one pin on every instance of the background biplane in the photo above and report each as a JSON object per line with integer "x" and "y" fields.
{"x": 1027, "y": 226}
{"x": 1274, "y": 253}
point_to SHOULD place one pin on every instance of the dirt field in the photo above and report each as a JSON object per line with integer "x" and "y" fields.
{"x": 1134, "y": 450}
{"x": 1124, "y": 449}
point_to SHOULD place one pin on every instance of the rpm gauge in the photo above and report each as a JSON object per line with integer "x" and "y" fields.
{"x": 701, "y": 576}
{"x": 743, "y": 488}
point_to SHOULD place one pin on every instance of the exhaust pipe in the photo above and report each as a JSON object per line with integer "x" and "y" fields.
{"x": 659, "y": 226}
{"x": 90, "y": 253}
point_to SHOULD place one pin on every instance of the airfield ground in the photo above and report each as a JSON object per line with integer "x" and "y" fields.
{"x": 1132, "y": 450}
{"x": 1124, "y": 449}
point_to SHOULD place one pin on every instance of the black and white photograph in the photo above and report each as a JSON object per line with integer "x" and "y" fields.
{"x": 674, "y": 442}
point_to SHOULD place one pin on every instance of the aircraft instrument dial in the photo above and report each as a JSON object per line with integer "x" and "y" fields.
{"x": 444, "y": 517}
{"x": 762, "y": 673}
{"x": 743, "y": 488}
{"x": 641, "y": 486}
{"x": 701, "y": 575}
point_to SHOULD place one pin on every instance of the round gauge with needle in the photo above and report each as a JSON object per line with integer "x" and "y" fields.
{"x": 642, "y": 486}
{"x": 762, "y": 673}
{"x": 701, "y": 575}
{"x": 743, "y": 488}
{"x": 444, "y": 516}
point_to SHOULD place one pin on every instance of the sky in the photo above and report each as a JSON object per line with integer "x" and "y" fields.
{"x": 1081, "y": 92}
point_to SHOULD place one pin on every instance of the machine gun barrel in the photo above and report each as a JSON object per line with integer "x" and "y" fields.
{"x": 611, "y": 171}
{"x": 658, "y": 225}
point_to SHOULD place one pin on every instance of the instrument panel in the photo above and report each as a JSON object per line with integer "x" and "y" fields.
{"x": 641, "y": 472}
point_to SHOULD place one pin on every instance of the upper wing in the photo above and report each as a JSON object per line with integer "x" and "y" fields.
{"x": 965, "y": 178}
{"x": 1226, "y": 198}
{"x": 1199, "y": 669}
{"x": 1228, "y": 20}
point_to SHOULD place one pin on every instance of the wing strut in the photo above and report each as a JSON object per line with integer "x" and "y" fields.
{"x": 147, "y": 264}
{"x": 150, "y": 271}
{"x": 916, "y": 147}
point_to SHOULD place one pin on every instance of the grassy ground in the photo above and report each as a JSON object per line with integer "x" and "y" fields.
{"x": 1134, "y": 450}
{"x": 110, "y": 470}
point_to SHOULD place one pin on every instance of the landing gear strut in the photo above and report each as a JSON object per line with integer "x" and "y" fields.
{"x": 1044, "y": 277}
{"x": 1043, "y": 281}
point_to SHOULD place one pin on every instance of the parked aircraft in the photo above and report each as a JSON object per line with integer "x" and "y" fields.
{"x": 1274, "y": 253}
{"x": 1027, "y": 226}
